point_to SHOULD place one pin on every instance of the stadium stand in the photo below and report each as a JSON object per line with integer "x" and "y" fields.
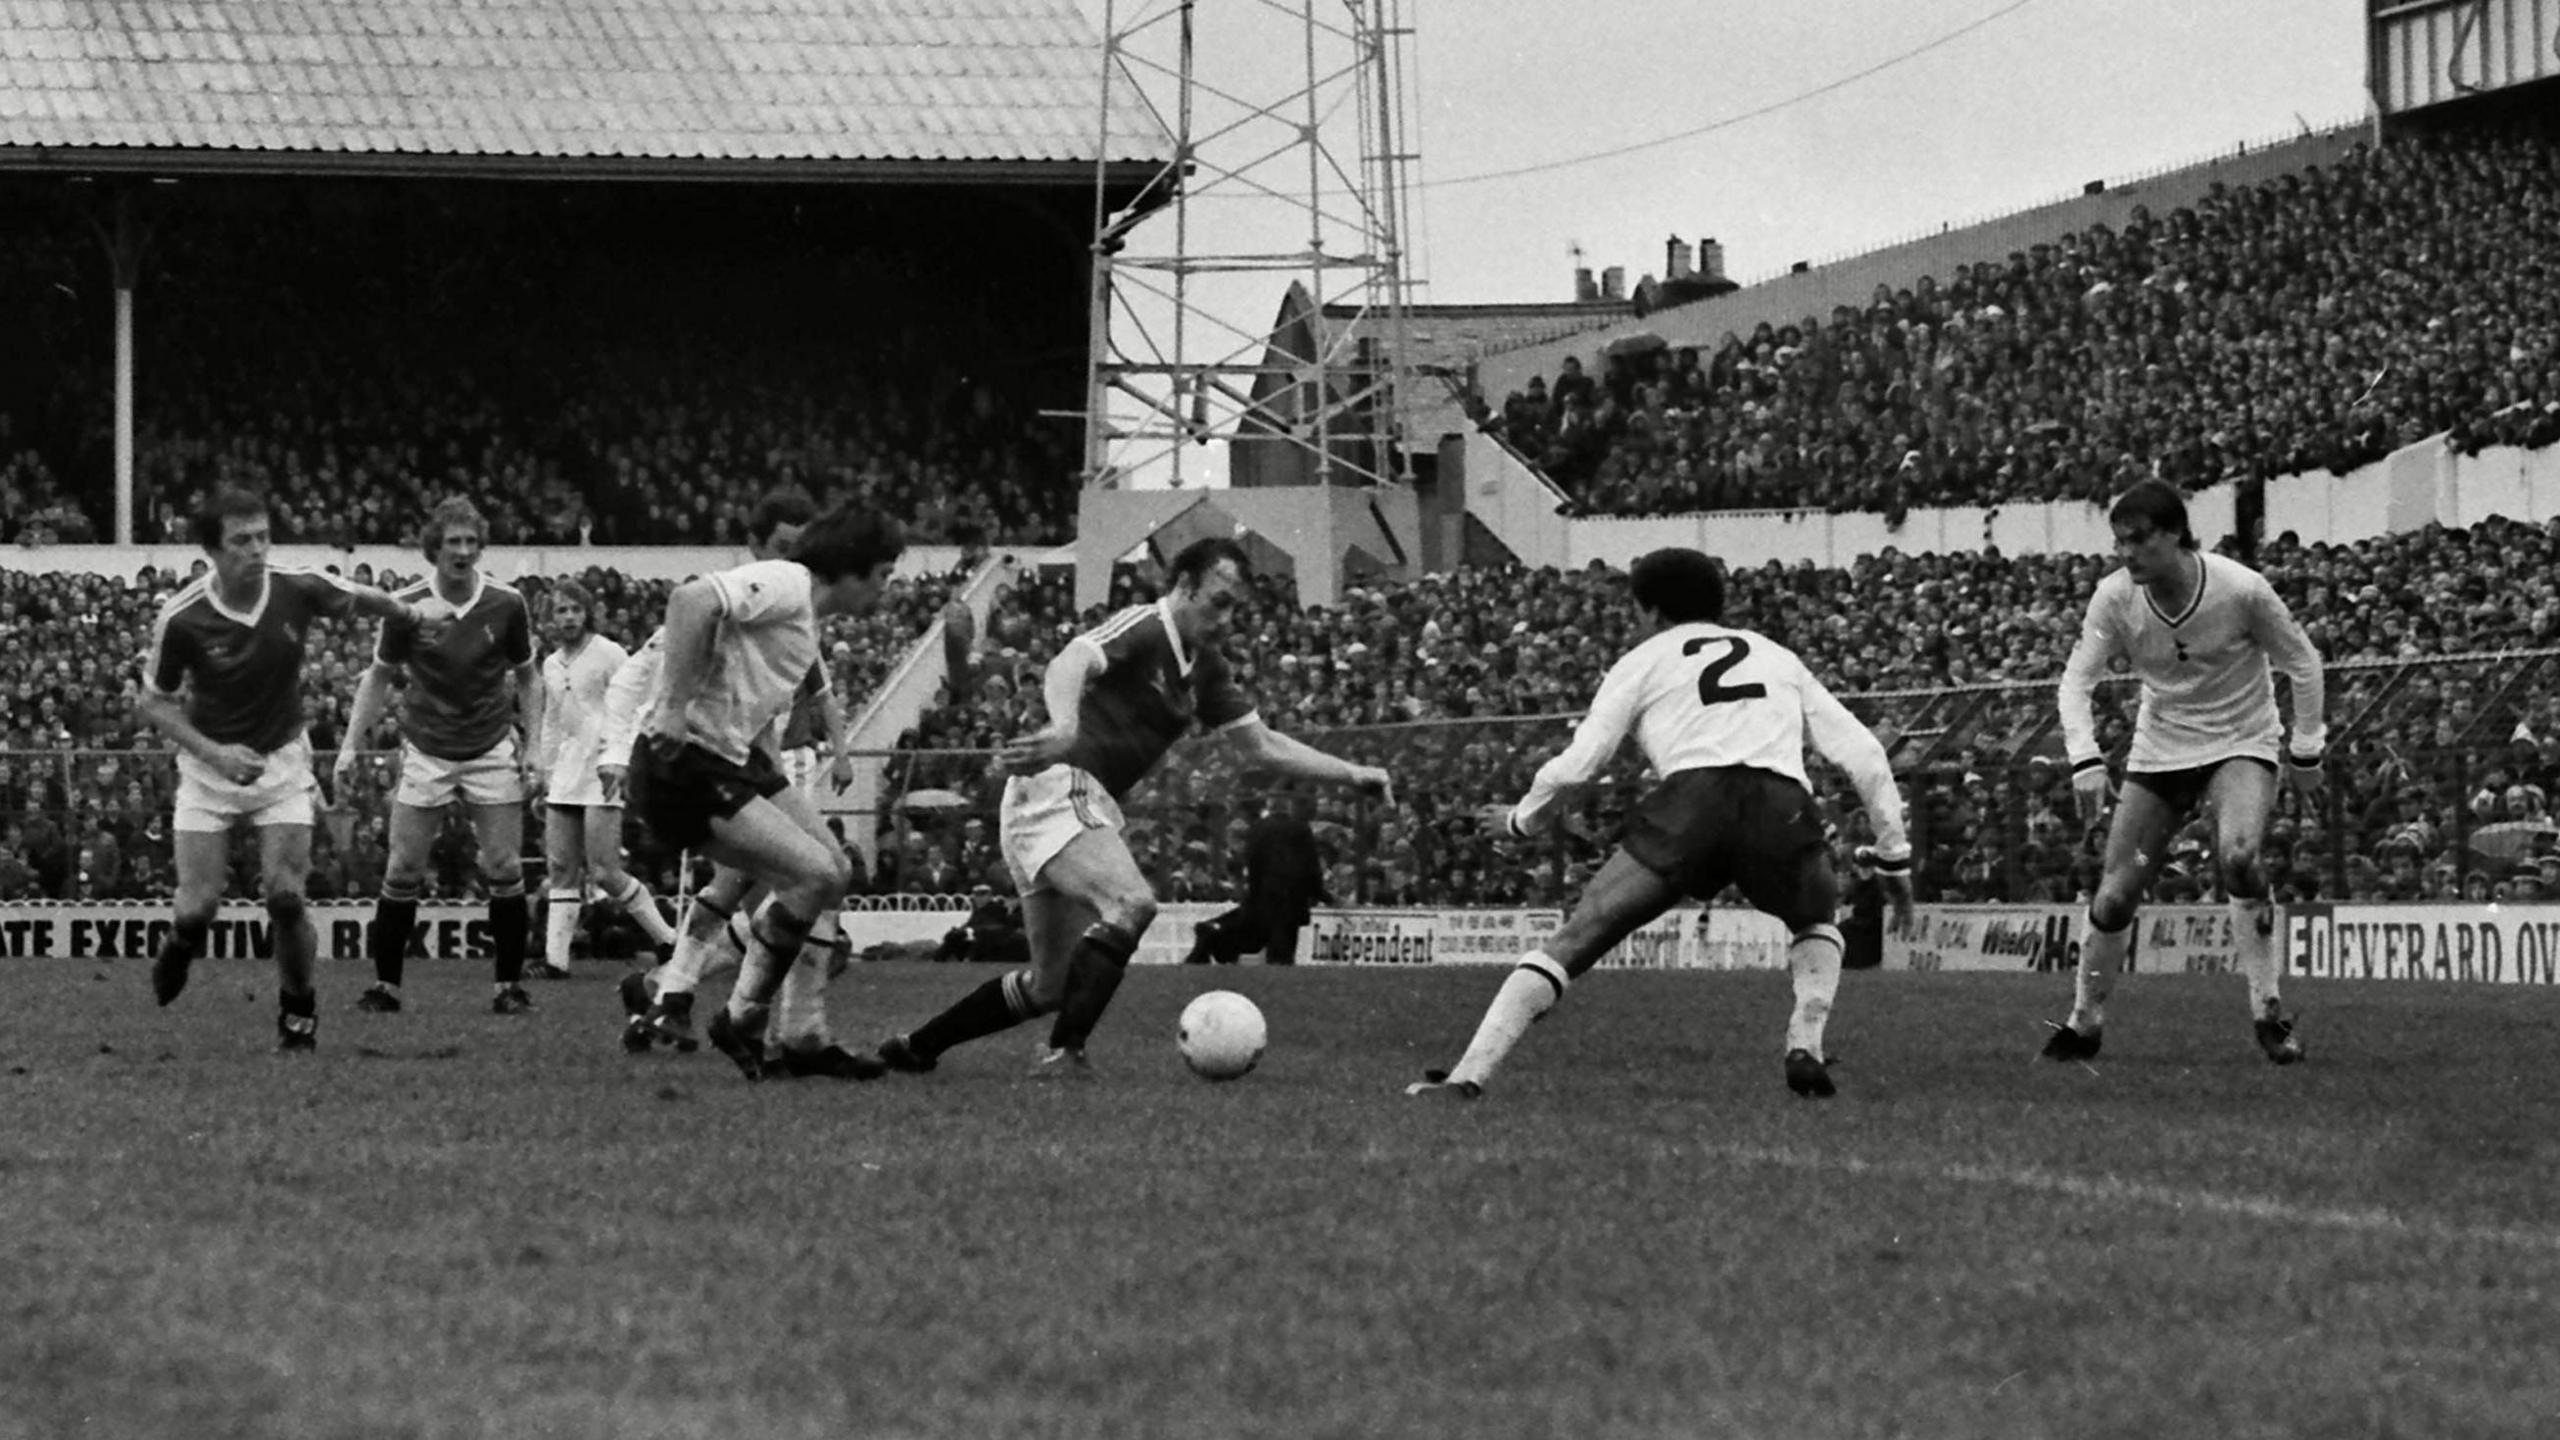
{"x": 2311, "y": 322}
{"x": 801, "y": 358}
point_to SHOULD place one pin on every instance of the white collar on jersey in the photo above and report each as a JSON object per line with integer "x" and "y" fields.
{"x": 1173, "y": 636}
{"x": 479, "y": 587}
{"x": 213, "y": 593}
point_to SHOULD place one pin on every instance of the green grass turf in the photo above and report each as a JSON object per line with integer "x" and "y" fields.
{"x": 452, "y": 1224}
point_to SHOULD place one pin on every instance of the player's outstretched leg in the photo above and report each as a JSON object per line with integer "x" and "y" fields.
{"x": 996, "y": 1006}
{"x": 1531, "y": 989}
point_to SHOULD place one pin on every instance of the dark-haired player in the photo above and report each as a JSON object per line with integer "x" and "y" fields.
{"x": 1118, "y": 697}
{"x": 233, "y": 640}
{"x": 659, "y": 1005}
{"x": 1722, "y": 716}
{"x": 470, "y": 726}
{"x": 2204, "y": 635}
{"x": 738, "y": 646}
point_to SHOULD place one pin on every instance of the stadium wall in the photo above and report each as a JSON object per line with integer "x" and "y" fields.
{"x": 2461, "y": 943}
{"x": 2423, "y": 483}
{"x": 1520, "y": 508}
{"x": 2486, "y": 944}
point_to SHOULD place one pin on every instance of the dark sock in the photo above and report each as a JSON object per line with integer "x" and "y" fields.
{"x": 780, "y": 934}
{"x": 393, "y": 920}
{"x": 509, "y": 919}
{"x": 306, "y": 1002}
{"x": 186, "y": 940}
{"x": 984, "y": 1011}
{"x": 1093, "y": 976}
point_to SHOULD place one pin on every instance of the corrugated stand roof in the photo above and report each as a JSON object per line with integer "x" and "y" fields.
{"x": 781, "y": 82}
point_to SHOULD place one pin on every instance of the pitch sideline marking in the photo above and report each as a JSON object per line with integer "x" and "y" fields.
{"x": 2360, "y": 1220}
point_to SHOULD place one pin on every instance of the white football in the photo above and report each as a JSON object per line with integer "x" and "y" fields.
{"x": 1221, "y": 1035}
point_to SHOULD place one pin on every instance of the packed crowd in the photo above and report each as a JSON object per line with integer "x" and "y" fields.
{"x": 85, "y": 789}
{"x": 2318, "y": 320}
{"x": 650, "y": 387}
{"x": 1462, "y": 684}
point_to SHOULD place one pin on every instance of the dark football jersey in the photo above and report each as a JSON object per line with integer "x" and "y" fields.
{"x": 243, "y": 669}
{"x": 1146, "y": 698}
{"x": 460, "y": 703}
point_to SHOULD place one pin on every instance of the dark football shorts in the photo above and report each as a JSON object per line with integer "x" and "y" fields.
{"x": 2184, "y": 790}
{"x": 1731, "y": 825}
{"x": 677, "y": 790}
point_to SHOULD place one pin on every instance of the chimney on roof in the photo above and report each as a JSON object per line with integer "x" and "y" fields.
{"x": 1585, "y": 289}
{"x": 1676, "y": 261}
{"x": 1613, "y": 283}
{"x": 1711, "y": 258}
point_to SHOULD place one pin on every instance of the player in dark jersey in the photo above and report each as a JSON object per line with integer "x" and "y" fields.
{"x": 470, "y": 728}
{"x": 1119, "y": 696}
{"x": 233, "y": 641}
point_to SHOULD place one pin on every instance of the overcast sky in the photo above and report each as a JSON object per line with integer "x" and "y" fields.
{"x": 1890, "y": 117}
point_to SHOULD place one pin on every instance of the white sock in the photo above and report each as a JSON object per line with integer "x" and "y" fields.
{"x": 1532, "y": 988}
{"x": 2102, "y": 955}
{"x": 559, "y": 927}
{"x": 2253, "y": 941}
{"x": 761, "y": 973}
{"x": 693, "y": 958}
{"x": 640, "y": 905}
{"x": 725, "y": 952}
{"x": 1814, "y": 958}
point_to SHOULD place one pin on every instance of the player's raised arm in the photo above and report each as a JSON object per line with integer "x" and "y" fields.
{"x": 1259, "y": 744}
{"x": 1613, "y": 714}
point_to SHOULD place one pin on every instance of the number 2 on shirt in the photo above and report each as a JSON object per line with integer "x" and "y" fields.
{"x": 1711, "y": 687}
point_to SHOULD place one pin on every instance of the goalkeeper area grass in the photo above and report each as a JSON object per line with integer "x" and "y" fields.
{"x": 448, "y": 1223}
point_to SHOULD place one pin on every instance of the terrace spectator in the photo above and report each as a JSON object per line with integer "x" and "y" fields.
{"x": 2316, "y": 320}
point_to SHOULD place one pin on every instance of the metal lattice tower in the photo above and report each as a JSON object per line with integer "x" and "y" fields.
{"x": 1182, "y": 295}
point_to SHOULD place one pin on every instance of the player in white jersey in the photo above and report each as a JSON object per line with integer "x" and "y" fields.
{"x": 658, "y": 1006}
{"x": 2203, "y": 634}
{"x": 739, "y": 645}
{"x": 1722, "y": 716}
{"x": 582, "y": 811}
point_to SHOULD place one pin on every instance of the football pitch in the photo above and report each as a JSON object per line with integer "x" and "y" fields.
{"x": 448, "y": 1223}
